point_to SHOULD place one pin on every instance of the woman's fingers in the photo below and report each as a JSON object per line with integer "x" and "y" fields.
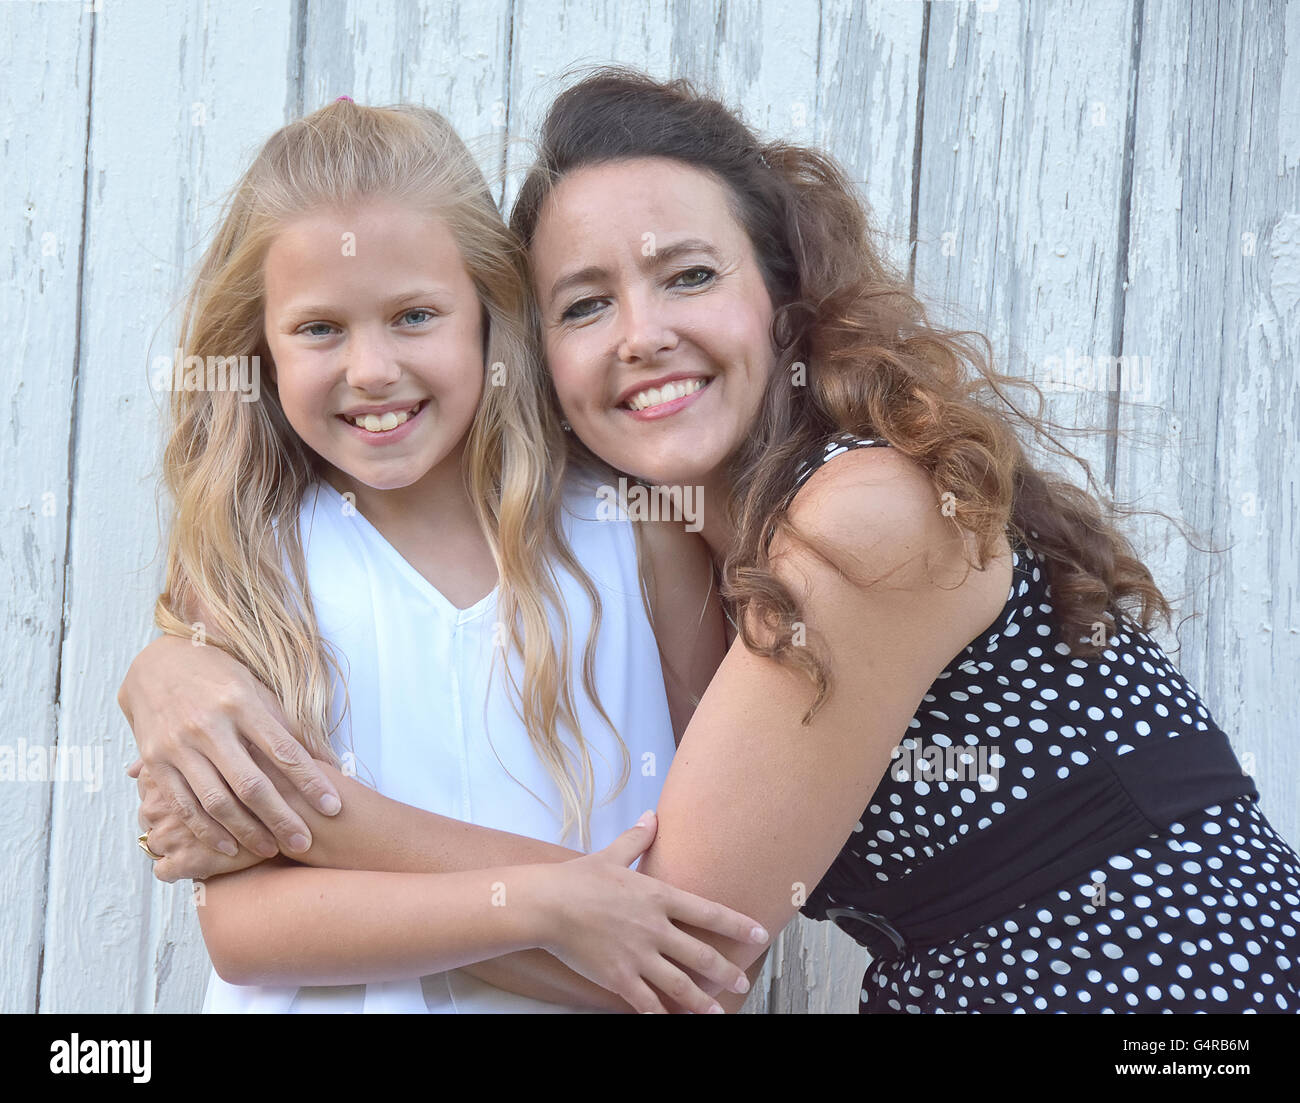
{"x": 268, "y": 729}
{"x": 209, "y": 810}
{"x": 256, "y": 805}
{"x": 708, "y": 915}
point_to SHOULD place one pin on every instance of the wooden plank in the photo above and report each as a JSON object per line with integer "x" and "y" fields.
{"x": 115, "y": 940}
{"x": 42, "y": 192}
{"x": 449, "y": 56}
{"x": 1214, "y": 301}
{"x": 1021, "y": 179}
{"x": 552, "y": 38}
{"x": 868, "y": 86}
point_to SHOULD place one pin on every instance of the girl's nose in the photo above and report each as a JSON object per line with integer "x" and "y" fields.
{"x": 646, "y": 332}
{"x": 371, "y": 365}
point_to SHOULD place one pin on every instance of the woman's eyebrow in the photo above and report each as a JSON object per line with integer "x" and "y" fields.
{"x": 659, "y": 255}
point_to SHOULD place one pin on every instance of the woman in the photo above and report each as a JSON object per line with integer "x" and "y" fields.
{"x": 1067, "y": 829}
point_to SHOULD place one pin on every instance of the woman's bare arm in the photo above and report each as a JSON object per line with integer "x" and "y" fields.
{"x": 756, "y": 806}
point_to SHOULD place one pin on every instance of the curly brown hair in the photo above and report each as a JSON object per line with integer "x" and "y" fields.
{"x": 874, "y": 365}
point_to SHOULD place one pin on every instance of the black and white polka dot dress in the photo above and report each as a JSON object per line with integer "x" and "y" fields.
{"x": 1057, "y": 834}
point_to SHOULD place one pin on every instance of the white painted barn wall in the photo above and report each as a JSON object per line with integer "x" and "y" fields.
{"x": 1100, "y": 178}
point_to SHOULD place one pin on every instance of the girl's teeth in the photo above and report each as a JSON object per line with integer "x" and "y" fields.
{"x": 383, "y": 423}
{"x": 657, "y": 396}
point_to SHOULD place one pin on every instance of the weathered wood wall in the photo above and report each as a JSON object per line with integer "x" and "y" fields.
{"x": 1077, "y": 179}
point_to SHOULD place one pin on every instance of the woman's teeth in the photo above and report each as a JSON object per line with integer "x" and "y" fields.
{"x": 657, "y": 396}
{"x": 383, "y": 423}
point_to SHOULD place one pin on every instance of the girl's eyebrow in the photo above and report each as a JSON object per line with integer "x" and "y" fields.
{"x": 663, "y": 254}
{"x": 295, "y": 311}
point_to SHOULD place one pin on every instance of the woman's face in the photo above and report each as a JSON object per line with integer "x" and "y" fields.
{"x": 656, "y": 321}
{"x": 375, "y": 330}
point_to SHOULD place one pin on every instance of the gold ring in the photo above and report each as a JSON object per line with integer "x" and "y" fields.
{"x": 143, "y": 841}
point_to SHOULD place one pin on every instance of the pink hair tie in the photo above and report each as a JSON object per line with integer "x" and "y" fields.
{"x": 348, "y": 98}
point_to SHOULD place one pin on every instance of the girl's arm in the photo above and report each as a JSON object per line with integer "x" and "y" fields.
{"x": 279, "y": 923}
{"x": 756, "y": 806}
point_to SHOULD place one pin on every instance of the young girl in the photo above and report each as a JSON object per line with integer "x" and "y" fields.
{"x": 388, "y": 530}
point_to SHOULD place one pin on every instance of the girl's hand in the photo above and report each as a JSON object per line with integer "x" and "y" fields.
{"x": 183, "y": 856}
{"x": 194, "y": 712}
{"x": 618, "y": 928}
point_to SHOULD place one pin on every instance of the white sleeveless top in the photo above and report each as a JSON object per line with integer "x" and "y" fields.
{"x": 426, "y": 728}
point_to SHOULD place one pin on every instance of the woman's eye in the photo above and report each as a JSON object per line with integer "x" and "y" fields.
{"x": 695, "y": 277}
{"x": 581, "y": 309}
{"x": 310, "y": 326}
{"x": 427, "y": 314}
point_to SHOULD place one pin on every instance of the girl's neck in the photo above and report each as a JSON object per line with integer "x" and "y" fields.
{"x": 437, "y": 500}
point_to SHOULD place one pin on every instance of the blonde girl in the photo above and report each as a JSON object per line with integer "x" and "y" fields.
{"x": 389, "y": 541}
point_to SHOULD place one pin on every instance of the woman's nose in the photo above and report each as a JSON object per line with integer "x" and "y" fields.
{"x": 646, "y": 333}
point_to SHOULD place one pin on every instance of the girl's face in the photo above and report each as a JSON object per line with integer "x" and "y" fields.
{"x": 375, "y": 330}
{"x": 655, "y": 317}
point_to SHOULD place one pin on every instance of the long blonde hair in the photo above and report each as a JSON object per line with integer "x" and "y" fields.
{"x": 236, "y": 471}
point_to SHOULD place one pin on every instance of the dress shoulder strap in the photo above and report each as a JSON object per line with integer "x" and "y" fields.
{"x": 836, "y": 446}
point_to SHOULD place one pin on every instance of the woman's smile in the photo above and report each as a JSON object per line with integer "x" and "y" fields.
{"x": 653, "y": 402}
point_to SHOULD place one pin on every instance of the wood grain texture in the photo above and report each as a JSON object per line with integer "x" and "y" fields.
{"x": 42, "y": 196}
{"x": 1107, "y": 179}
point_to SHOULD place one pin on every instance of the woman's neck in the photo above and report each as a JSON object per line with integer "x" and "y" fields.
{"x": 716, "y": 529}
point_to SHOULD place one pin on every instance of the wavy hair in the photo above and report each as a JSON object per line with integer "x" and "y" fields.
{"x": 875, "y": 365}
{"x": 236, "y": 471}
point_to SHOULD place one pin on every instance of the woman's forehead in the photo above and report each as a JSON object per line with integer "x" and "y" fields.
{"x": 640, "y": 201}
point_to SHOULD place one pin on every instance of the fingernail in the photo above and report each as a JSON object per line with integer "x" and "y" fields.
{"x": 299, "y": 842}
{"x": 716, "y": 1009}
{"x": 330, "y": 804}
{"x": 742, "y": 985}
{"x": 644, "y": 821}
{"x": 758, "y": 934}
{"x": 268, "y": 850}
{"x": 227, "y": 847}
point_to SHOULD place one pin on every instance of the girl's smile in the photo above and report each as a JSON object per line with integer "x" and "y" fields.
{"x": 380, "y": 425}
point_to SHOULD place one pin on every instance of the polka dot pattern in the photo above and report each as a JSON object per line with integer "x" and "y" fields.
{"x": 1203, "y": 916}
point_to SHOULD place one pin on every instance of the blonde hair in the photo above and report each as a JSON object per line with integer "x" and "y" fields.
{"x": 236, "y": 471}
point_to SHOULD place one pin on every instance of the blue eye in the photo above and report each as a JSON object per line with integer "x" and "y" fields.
{"x": 419, "y": 310}
{"x": 315, "y": 325}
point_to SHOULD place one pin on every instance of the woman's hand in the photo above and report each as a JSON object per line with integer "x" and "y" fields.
{"x": 183, "y": 856}
{"x": 618, "y": 928}
{"x": 194, "y": 712}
